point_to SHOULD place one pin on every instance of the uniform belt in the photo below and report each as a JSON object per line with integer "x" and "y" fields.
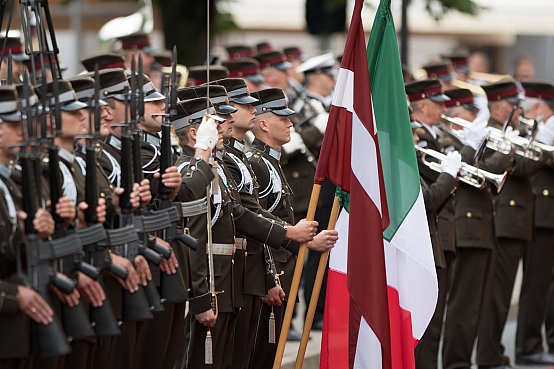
{"x": 240, "y": 243}
{"x": 222, "y": 249}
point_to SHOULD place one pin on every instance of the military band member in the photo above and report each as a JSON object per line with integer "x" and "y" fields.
{"x": 428, "y": 103}
{"x": 198, "y": 75}
{"x": 272, "y": 130}
{"x": 514, "y": 207}
{"x": 135, "y": 44}
{"x": 538, "y": 258}
{"x": 248, "y": 69}
{"x": 461, "y": 105}
{"x": 440, "y": 72}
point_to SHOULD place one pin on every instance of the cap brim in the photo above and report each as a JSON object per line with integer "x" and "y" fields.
{"x": 415, "y": 125}
{"x": 225, "y": 109}
{"x": 464, "y": 68}
{"x": 515, "y": 99}
{"x": 244, "y": 100}
{"x": 154, "y": 96}
{"x": 73, "y": 106}
{"x": 284, "y": 66}
{"x": 120, "y": 97}
{"x": 446, "y": 77}
{"x": 148, "y": 49}
{"x": 20, "y": 57}
{"x": 440, "y": 98}
{"x": 471, "y": 107}
{"x": 255, "y": 78}
{"x": 12, "y": 117}
{"x": 100, "y": 103}
{"x": 285, "y": 111}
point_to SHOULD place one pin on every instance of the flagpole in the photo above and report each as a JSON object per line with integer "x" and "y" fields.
{"x": 295, "y": 282}
{"x": 316, "y": 291}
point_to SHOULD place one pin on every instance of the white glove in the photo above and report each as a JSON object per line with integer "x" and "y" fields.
{"x": 475, "y": 135}
{"x": 206, "y": 135}
{"x": 511, "y": 134}
{"x": 452, "y": 163}
{"x": 546, "y": 134}
{"x": 296, "y": 143}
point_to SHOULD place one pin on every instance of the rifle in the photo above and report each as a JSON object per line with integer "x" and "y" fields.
{"x": 94, "y": 237}
{"x": 46, "y": 340}
{"x": 135, "y": 305}
{"x": 172, "y": 286}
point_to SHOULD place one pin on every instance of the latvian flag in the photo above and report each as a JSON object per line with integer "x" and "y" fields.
{"x": 382, "y": 287}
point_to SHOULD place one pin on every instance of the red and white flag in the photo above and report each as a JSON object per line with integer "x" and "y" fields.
{"x": 382, "y": 287}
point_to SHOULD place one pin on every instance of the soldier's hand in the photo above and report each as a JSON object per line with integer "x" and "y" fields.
{"x": 33, "y": 305}
{"x": 65, "y": 208}
{"x": 206, "y": 135}
{"x": 134, "y": 198}
{"x": 132, "y": 281}
{"x": 91, "y": 290}
{"x": 169, "y": 266}
{"x": 43, "y": 223}
{"x": 143, "y": 270}
{"x": 207, "y": 318}
{"x": 144, "y": 192}
{"x": 171, "y": 179}
{"x": 70, "y": 300}
{"x": 324, "y": 241}
{"x": 303, "y": 231}
{"x": 100, "y": 213}
{"x": 275, "y": 296}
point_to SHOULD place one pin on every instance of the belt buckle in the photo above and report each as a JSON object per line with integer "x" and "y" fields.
{"x": 244, "y": 243}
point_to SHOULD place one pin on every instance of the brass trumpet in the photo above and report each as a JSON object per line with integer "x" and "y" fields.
{"x": 498, "y": 141}
{"x": 469, "y": 174}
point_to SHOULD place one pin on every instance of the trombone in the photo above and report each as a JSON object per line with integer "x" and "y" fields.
{"x": 469, "y": 174}
{"x": 497, "y": 140}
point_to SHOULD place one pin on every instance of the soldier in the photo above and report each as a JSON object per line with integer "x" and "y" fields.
{"x": 237, "y": 52}
{"x": 248, "y": 69}
{"x": 538, "y": 258}
{"x": 135, "y": 44}
{"x": 320, "y": 81}
{"x": 104, "y": 61}
{"x": 18, "y": 303}
{"x": 428, "y": 104}
{"x": 440, "y": 72}
{"x": 274, "y": 66}
{"x": 14, "y": 45}
{"x": 461, "y": 105}
{"x": 514, "y": 208}
{"x": 198, "y": 75}
{"x": 296, "y": 57}
{"x": 460, "y": 65}
{"x": 272, "y": 130}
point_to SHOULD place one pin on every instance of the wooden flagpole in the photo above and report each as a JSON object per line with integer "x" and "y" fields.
{"x": 295, "y": 282}
{"x": 316, "y": 291}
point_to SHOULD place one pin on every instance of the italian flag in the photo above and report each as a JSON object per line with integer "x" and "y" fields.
{"x": 382, "y": 287}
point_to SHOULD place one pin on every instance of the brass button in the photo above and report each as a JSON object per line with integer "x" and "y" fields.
{"x": 102, "y": 194}
{"x": 73, "y": 169}
{"x": 545, "y": 192}
{"x": 512, "y": 203}
{"x": 489, "y": 189}
{"x": 2, "y": 294}
{"x": 283, "y": 191}
{"x": 295, "y": 174}
{"x": 111, "y": 187}
{"x": 469, "y": 215}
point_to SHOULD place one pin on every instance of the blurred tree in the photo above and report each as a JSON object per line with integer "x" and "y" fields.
{"x": 184, "y": 25}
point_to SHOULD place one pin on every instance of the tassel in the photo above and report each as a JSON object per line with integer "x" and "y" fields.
{"x": 272, "y": 327}
{"x": 208, "y": 351}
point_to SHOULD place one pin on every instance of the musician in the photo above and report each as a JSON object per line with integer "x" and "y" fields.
{"x": 461, "y": 105}
{"x": 514, "y": 207}
{"x": 248, "y": 69}
{"x": 132, "y": 45}
{"x": 538, "y": 257}
{"x": 427, "y": 101}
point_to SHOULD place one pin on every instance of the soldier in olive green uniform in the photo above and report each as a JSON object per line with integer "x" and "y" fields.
{"x": 538, "y": 257}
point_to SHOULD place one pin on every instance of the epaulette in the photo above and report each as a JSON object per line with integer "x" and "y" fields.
{"x": 255, "y": 155}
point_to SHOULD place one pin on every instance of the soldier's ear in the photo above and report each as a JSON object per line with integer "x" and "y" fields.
{"x": 262, "y": 124}
{"x": 192, "y": 134}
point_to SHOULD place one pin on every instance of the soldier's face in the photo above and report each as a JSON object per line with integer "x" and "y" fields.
{"x": 432, "y": 111}
{"x": 227, "y": 126}
{"x": 252, "y": 87}
{"x": 244, "y": 117}
{"x": 468, "y": 115}
{"x": 279, "y": 128}
{"x": 152, "y": 107}
{"x": 10, "y": 134}
{"x": 275, "y": 78}
{"x": 74, "y": 123}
